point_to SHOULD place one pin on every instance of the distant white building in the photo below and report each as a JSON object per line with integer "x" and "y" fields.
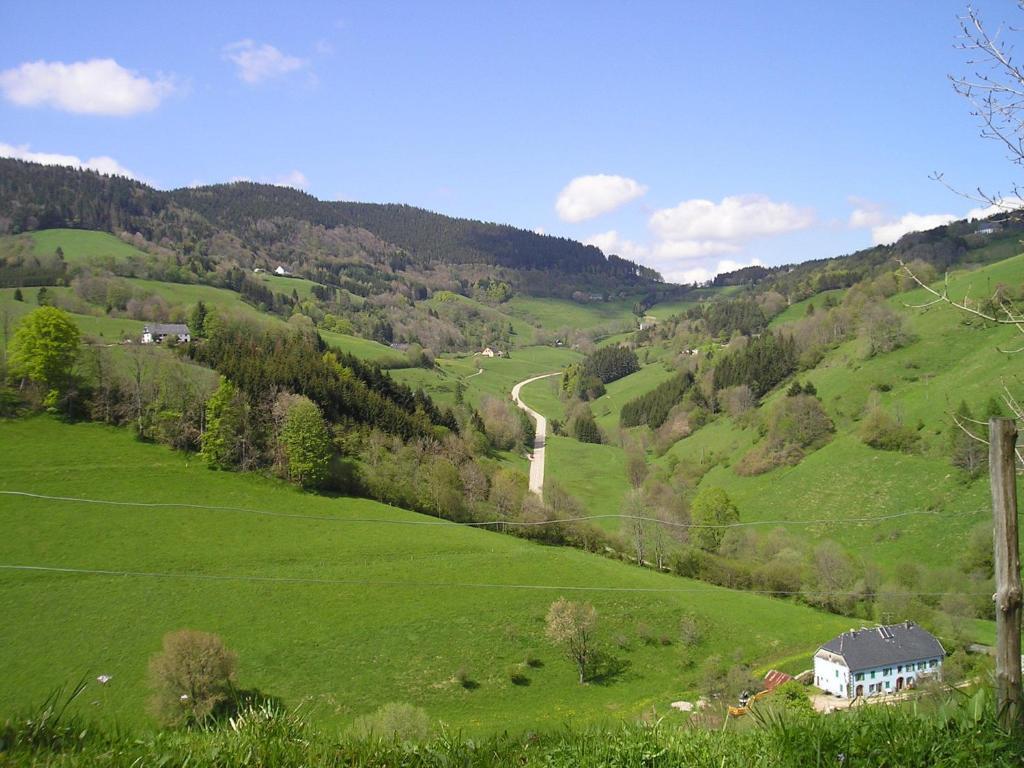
{"x": 279, "y": 270}
{"x": 156, "y": 333}
{"x": 869, "y": 662}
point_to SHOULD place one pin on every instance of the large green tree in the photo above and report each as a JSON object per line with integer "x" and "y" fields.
{"x": 224, "y": 441}
{"x": 306, "y": 443}
{"x": 45, "y": 348}
{"x": 711, "y": 507}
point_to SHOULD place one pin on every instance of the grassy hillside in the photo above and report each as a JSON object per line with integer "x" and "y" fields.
{"x": 554, "y": 314}
{"x": 593, "y": 474}
{"x": 323, "y": 609}
{"x": 951, "y": 359}
{"x": 607, "y": 407}
{"x": 82, "y": 246}
{"x": 499, "y": 375}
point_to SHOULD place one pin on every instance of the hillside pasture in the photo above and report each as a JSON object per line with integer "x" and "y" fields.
{"x": 339, "y": 605}
{"x": 85, "y": 247}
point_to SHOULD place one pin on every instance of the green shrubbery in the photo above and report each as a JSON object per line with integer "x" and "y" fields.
{"x": 954, "y": 731}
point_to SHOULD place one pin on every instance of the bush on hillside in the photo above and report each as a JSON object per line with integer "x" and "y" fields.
{"x": 796, "y": 425}
{"x": 582, "y": 425}
{"x": 880, "y": 429}
{"x": 883, "y": 329}
{"x": 190, "y": 677}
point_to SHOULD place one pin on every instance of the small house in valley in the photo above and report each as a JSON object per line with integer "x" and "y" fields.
{"x": 877, "y": 660}
{"x": 157, "y": 332}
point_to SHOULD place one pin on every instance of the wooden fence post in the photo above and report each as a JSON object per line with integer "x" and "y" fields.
{"x": 1002, "y": 436}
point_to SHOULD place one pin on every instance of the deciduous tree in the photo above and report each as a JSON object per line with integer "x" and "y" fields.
{"x": 571, "y": 625}
{"x": 45, "y": 348}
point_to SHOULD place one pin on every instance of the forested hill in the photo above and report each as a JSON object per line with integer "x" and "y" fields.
{"x": 956, "y": 244}
{"x": 262, "y": 216}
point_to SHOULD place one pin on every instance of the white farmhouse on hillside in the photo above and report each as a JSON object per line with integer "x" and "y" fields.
{"x": 282, "y": 272}
{"x": 156, "y": 333}
{"x": 868, "y": 662}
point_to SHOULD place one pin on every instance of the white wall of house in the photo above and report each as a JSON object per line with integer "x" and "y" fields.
{"x": 832, "y": 676}
{"x": 894, "y": 677}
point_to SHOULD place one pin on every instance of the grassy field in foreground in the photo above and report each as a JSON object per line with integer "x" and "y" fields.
{"x": 366, "y": 613}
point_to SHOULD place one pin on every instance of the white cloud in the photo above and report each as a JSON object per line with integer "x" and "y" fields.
{"x": 866, "y": 213}
{"x": 886, "y": 234}
{"x": 296, "y": 179}
{"x": 610, "y": 242}
{"x": 256, "y": 63}
{"x": 95, "y": 87}
{"x": 588, "y": 196}
{"x": 999, "y": 205}
{"x": 101, "y": 163}
{"x": 735, "y": 218}
{"x": 703, "y": 274}
{"x": 693, "y": 249}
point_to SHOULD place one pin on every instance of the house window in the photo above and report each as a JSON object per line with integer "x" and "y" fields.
{"x": 887, "y": 671}
{"x": 872, "y": 674}
{"x": 859, "y": 676}
{"x": 933, "y": 663}
{"x": 899, "y": 668}
{"x": 887, "y": 685}
{"x": 921, "y": 665}
{"x": 837, "y": 673}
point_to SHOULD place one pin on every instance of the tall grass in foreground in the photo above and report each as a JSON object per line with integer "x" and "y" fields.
{"x": 959, "y": 731}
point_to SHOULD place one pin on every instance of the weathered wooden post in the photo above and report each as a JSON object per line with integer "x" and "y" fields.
{"x": 1002, "y": 437}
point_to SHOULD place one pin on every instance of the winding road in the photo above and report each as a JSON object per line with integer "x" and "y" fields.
{"x": 537, "y": 459}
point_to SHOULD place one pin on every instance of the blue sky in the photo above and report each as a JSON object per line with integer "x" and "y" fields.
{"x": 699, "y": 135}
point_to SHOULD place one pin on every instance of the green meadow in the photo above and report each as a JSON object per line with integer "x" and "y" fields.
{"x": 952, "y": 357}
{"x": 82, "y": 247}
{"x": 555, "y": 314}
{"x": 337, "y": 604}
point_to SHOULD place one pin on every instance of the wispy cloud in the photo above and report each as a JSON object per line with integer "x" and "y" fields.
{"x": 294, "y": 178}
{"x": 101, "y": 163}
{"x": 704, "y": 273}
{"x": 610, "y": 242}
{"x": 256, "y": 63}
{"x": 588, "y": 196}
{"x": 94, "y": 87}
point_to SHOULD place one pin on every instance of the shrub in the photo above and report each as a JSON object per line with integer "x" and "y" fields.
{"x": 517, "y": 676}
{"x": 394, "y": 722}
{"x": 711, "y": 507}
{"x": 882, "y": 430}
{"x": 465, "y": 679}
{"x": 191, "y": 675}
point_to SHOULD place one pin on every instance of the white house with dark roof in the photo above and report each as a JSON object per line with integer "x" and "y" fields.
{"x": 156, "y": 333}
{"x": 877, "y": 660}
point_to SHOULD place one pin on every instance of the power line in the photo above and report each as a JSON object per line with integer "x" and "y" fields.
{"x": 479, "y": 524}
{"x": 439, "y": 584}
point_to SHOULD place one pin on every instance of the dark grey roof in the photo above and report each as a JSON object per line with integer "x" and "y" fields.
{"x": 879, "y": 646}
{"x": 166, "y": 328}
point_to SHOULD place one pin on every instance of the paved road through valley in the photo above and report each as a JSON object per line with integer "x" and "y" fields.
{"x": 537, "y": 460}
